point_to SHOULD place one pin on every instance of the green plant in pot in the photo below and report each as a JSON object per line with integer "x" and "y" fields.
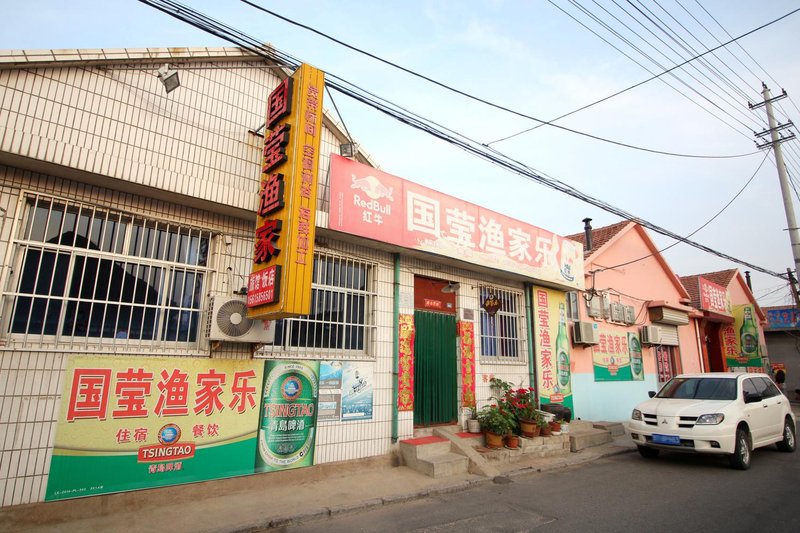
{"x": 497, "y": 422}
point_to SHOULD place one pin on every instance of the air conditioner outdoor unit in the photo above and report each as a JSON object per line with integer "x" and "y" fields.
{"x": 651, "y": 335}
{"x": 229, "y": 322}
{"x": 585, "y": 333}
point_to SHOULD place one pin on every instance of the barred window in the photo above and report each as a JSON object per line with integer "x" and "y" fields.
{"x": 84, "y": 272}
{"x": 341, "y": 322}
{"x": 501, "y": 333}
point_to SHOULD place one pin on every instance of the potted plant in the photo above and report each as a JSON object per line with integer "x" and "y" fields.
{"x": 473, "y": 424}
{"x": 555, "y": 426}
{"x": 522, "y": 402}
{"x": 512, "y": 441}
{"x": 497, "y": 422}
{"x": 546, "y": 429}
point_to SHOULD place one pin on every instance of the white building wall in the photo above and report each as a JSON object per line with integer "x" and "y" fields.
{"x": 107, "y": 135}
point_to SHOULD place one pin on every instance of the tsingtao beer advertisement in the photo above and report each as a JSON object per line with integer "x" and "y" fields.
{"x": 552, "y": 346}
{"x": 288, "y": 415}
{"x": 129, "y": 423}
{"x": 740, "y": 340}
{"x": 611, "y": 357}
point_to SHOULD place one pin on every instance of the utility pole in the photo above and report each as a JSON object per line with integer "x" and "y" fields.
{"x": 792, "y": 282}
{"x": 775, "y": 143}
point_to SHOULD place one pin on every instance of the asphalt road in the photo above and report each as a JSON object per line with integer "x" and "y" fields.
{"x": 674, "y": 493}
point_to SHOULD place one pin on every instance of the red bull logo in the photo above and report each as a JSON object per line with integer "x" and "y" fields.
{"x": 372, "y": 187}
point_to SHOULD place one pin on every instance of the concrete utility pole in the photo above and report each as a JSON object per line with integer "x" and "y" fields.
{"x": 775, "y": 143}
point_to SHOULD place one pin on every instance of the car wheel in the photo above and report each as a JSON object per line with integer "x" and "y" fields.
{"x": 740, "y": 460}
{"x": 649, "y": 453}
{"x": 788, "y": 444}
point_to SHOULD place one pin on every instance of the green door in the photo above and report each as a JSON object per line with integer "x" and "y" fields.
{"x": 435, "y": 369}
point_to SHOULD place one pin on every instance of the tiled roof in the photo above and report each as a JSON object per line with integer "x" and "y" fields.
{"x": 600, "y": 236}
{"x": 723, "y": 277}
{"x": 692, "y": 286}
{"x": 27, "y": 58}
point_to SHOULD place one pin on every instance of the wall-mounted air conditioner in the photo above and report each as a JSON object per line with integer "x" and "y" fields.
{"x": 228, "y": 322}
{"x": 585, "y": 333}
{"x": 651, "y": 335}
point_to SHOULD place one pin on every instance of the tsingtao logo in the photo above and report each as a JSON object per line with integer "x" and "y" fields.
{"x": 169, "y": 434}
{"x": 291, "y": 388}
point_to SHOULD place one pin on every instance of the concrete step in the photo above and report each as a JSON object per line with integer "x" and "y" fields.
{"x": 423, "y": 447}
{"x": 617, "y": 429}
{"x": 586, "y": 438}
{"x": 443, "y": 465}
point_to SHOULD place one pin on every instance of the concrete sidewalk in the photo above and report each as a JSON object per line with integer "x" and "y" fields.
{"x": 272, "y": 500}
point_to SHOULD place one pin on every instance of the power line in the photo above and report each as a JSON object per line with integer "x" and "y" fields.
{"x": 492, "y": 104}
{"x": 237, "y": 37}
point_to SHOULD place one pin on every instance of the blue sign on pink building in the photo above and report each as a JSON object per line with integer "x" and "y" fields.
{"x": 786, "y": 317}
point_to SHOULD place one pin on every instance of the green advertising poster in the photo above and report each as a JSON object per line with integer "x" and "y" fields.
{"x": 553, "y": 349}
{"x": 611, "y": 358}
{"x": 635, "y": 350}
{"x": 288, "y": 415}
{"x": 740, "y": 340}
{"x": 129, "y": 423}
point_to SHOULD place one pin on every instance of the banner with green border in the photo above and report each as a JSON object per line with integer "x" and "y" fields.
{"x": 129, "y": 423}
{"x": 552, "y": 347}
{"x": 740, "y": 340}
{"x": 611, "y": 357}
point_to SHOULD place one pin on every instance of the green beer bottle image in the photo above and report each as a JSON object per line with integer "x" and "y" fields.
{"x": 562, "y": 354}
{"x": 635, "y": 348}
{"x": 288, "y": 415}
{"x": 748, "y": 333}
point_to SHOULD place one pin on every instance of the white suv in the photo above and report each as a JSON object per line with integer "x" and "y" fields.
{"x": 717, "y": 412}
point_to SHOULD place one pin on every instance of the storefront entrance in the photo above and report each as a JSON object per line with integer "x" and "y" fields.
{"x": 435, "y": 353}
{"x": 435, "y": 369}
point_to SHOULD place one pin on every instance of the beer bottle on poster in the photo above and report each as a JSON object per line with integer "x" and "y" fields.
{"x": 748, "y": 333}
{"x": 636, "y": 356}
{"x": 562, "y": 353}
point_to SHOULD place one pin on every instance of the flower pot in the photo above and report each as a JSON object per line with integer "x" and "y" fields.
{"x": 529, "y": 428}
{"x": 512, "y": 441}
{"x": 494, "y": 440}
{"x": 555, "y": 426}
{"x": 473, "y": 426}
{"x": 546, "y": 431}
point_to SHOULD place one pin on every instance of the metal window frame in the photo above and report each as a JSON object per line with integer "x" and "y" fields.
{"x": 118, "y": 255}
{"x": 512, "y": 336}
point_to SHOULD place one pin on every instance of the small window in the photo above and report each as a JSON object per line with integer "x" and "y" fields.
{"x": 748, "y": 387}
{"x": 501, "y": 332}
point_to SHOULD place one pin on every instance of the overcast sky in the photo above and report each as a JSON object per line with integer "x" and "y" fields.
{"x": 531, "y": 57}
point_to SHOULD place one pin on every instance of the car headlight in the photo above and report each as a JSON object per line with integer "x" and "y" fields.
{"x": 711, "y": 420}
{"x": 636, "y": 414}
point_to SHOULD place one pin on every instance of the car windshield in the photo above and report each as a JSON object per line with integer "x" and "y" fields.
{"x": 699, "y": 389}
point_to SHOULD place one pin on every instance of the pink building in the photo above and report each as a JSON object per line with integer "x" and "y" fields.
{"x": 633, "y": 329}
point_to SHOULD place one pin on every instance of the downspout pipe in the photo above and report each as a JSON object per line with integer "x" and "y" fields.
{"x": 529, "y": 326}
{"x": 396, "y": 348}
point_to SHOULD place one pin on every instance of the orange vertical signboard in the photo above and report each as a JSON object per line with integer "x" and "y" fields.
{"x": 283, "y": 256}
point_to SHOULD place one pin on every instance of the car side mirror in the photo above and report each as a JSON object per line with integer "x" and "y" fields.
{"x": 749, "y": 397}
{"x": 651, "y": 393}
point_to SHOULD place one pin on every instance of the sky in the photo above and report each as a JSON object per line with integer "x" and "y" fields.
{"x": 535, "y": 58}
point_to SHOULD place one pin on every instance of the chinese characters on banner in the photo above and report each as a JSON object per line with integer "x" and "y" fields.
{"x": 280, "y": 282}
{"x": 713, "y": 297}
{"x": 611, "y": 357}
{"x": 379, "y": 206}
{"x": 740, "y": 340}
{"x": 554, "y": 384}
{"x": 405, "y": 378}
{"x": 783, "y": 318}
{"x": 466, "y": 333}
{"x": 142, "y": 422}
{"x": 664, "y": 364}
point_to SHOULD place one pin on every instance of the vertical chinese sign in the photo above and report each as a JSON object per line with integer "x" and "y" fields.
{"x": 552, "y": 347}
{"x": 405, "y": 379}
{"x": 137, "y": 423}
{"x": 288, "y": 429}
{"x": 740, "y": 340}
{"x": 611, "y": 357}
{"x": 283, "y": 258}
{"x": 466, "y": 333}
